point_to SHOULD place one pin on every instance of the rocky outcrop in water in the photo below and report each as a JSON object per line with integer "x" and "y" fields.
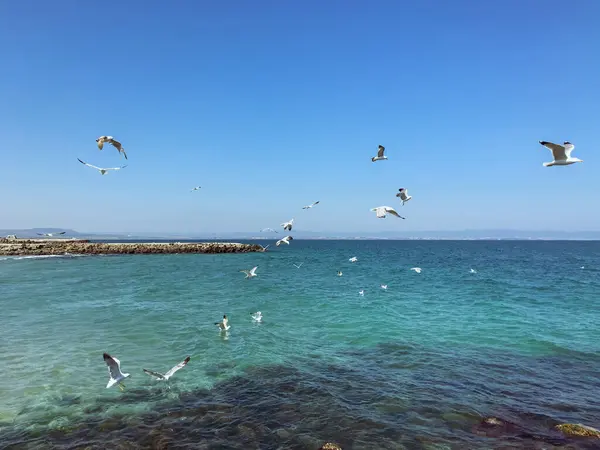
{"x": 37, "y": 247}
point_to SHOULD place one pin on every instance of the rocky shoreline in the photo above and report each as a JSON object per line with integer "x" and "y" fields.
{"x": 38, "y": 247}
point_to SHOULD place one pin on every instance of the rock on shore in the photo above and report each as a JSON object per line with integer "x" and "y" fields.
{"x": 36, "y": 247}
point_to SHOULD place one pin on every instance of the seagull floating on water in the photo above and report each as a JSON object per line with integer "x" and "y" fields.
{"x": 311, "y": 205}
{"x": 288, "y": 225}
{"x": 196, "y": 188}
{"x": 223, "y": 324}
{"x": 50, "y": 234}
{"x": 353, "y": 259}
{"x": 285, "y": 240}
{"x": 114, "y": 371}
{"x": 403, "y": 194}
{"x": 250, "y": 273}
{"x": 380, "y": 155}
{"x": 103, "y": 171}
{"x": 416, "y": 269}
{"x": 112, "y": 141}
{"x": 382, "y": 211}
{"x": 257, "y": 316}
{"x": 561, "y": 154}
{"x": 170, "y": 373}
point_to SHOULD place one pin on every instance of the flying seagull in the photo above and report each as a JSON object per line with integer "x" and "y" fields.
{"x": 170, "y": 373}
{"x": 50, "y": 234}
{"x": 223, "y": 323}
{"x": 403, "y": 194}
{"x": 250, "y": 273}
{"x": 196, "y": 188}
{"x": 380, "y": 155}
{"x": 288, "y": 225}
{"x": 416, "y": 269}
{"x": 353, "y": 259}
{"x": 103, "y": 171}
{"x": 561, "y": 154}
{"x": 285, "y": 240}
{"x": 112, "y": 141}
{"x": 311, "y": 205}
{"x": 114, "y": 371}
{"x": 382, "y": 211}
{"x": 269, "y": 229}
{"x": 257, "y": 316}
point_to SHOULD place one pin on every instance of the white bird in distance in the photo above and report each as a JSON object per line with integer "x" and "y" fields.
{"x": 380, "y": 156}
{"x": 382, "y": 211}
{"x": 250, "y": 273}
{"x": 285, "y": 240}
{"x": 114, "y": 371}
{"x": 102, "y": 170}
{"x": 561, "y": 154}
{"x": 112, "y": 141}
{"x": 169, "y": 374}
{"x": 311, "y": 205}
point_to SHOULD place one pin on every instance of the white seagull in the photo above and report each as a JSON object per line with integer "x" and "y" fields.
{"x": 114, "y": 371}
{"x": 382, "y": 211}
{"x": 223, "y": 324}
{"x": 561, "y": 154}
{"x": 103, "y": 171}
{"x": 288, "y": 225}
{"x": 311, "y": 205}
{"x": 403, "y": 194}
{"x": 285, "y": 240}
{"x": 250, "y": 273}
{"x": 297, "y": 266}
{"x": 380, "y": 155}
{"x": 196, "y": 188}
{"x": 353, "y": 259}
{"x": 257, "y": 316}
{"x": 50, "y": 234}
{"x": 169, "y": 374}
{"x": 112, "y": 141}
{"x": 416, "y": 269}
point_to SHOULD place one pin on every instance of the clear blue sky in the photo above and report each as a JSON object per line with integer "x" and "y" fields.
{"x": 270, "y": 105}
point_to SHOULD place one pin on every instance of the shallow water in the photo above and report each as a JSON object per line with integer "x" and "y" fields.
{"x": 415, "y": 366}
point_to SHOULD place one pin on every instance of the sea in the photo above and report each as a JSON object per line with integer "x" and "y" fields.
{"x": 502, "y": 329}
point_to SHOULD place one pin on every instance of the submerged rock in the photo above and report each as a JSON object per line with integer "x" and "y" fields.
{"x": 578, "y": 430}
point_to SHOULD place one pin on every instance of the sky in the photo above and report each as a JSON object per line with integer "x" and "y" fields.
{"x": 271, "y": 105}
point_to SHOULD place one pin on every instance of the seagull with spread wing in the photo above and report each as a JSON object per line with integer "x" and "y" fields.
{"x": 311, "y": 205}
{"x": 114, "y": 371}
{"x": 380, "y": 156}
{"x": 403, "y": 195}
{"x": 103, "y": 171}
{"x": 170, "y": 373}
{"x": 382, "y": 211}
{"x": 112, "y": 141}
{"x": 285, "y": 240}
{"x": 561, "y": 153}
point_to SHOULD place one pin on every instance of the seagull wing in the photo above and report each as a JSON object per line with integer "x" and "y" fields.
{"x": 158, "y": 376}
{"x": 181, "y": 365}
{"x": 89, "y": 165}
{"x": 558, "y": 151}
{"x": 380, "y": 151}
{"x": 114, "y": 366}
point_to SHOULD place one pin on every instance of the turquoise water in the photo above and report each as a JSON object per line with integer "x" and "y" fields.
{"x": 414, "y": 366}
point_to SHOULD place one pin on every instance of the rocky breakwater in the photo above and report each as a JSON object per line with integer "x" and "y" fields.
{"x": 38, "y": 247}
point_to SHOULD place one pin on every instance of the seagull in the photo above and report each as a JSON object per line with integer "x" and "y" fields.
{"x": 102, "y": 171}
{"x": 250, "y": 273}
{"x": 223, "y": 323}
{"x": 116, "y": 144}
{"x": 403, "y": 194}
{"x": 297, "y": 266}
{"x": 114, "y": 371}
{"x": 257, "y": 316}
{"x": 379, "y": 156}
{"x": 311, "y": 205}
{"x": 384, "y": 286}
{"x": 285, "y": 240}
{"x": 382, "y": 211}
{"x": 288, "y": 225}
{"x": 361, "y": 292}
{"x": 353, "y": 259}
{"x": 269, "y": 229}
{"x": 50, "y": 234}
{"x": 170, "y": 373}
{"x": 339, "y": 273}
{"x": 416, "y": 269}
{"x": 196, "y": 188}
{"x": 561, "y": 154}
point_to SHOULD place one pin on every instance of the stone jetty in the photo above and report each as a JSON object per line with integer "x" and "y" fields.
{"x": 36, "y": 247}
